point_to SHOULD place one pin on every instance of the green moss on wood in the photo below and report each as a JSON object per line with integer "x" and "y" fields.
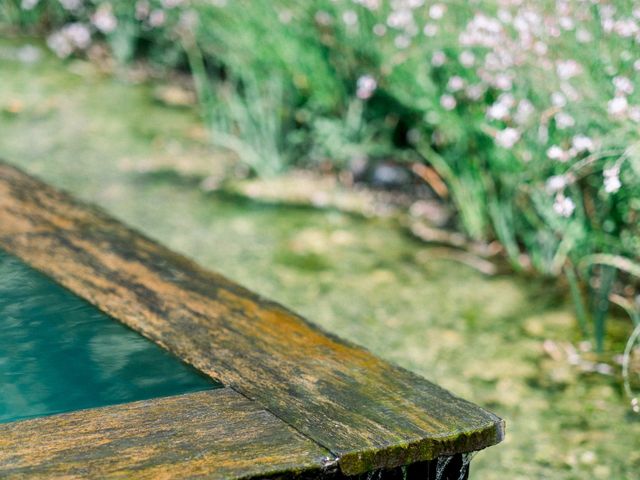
{"x": 368, "y": 413}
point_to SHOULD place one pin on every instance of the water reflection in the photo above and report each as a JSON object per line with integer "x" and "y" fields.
{"x": 59, "y": 353}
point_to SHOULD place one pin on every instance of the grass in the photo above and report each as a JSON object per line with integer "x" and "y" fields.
{"x": 528, "y": 112}
{"x": 499, "y": 341}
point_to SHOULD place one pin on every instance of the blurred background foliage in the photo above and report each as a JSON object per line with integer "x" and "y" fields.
{"x": 524, "y": 114}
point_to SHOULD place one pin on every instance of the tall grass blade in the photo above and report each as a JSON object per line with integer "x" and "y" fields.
{"x": 600, "y": 305}
{"x": 578, "y": 299}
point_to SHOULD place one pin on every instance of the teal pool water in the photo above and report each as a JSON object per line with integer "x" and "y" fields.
{"x": 58, "y": 353}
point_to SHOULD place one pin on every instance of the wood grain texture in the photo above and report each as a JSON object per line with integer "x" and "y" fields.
{"x": 219, "y": 434}
{"x": 367, "y": 412}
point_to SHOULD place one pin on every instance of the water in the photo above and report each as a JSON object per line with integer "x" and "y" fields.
{"x": 441, "y": 466}
{"x": 446, "y": 467}
{"x": 58, "y": 353}
{"x": 466, "y": 461}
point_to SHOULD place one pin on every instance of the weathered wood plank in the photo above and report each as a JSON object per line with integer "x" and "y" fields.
{"x": 219, "y": 434}
{"x": 367, "y": 412}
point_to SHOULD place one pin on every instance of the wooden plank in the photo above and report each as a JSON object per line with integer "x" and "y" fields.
{"x": 367, "y": 412}
{"x": 219, "y": 434}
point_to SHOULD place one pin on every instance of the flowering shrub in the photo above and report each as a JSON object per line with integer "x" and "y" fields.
{"x": 528, "y": 110}
{"x": 130, "y": 28}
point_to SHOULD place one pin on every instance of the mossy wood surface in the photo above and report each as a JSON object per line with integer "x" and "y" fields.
{"x": 219, "y": 434}
{"x": 368, "y": 413}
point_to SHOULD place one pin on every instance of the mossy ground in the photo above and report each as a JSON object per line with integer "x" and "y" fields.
{"x": 365, "y": 280}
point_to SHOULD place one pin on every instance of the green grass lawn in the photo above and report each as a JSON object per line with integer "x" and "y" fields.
{"x": 504, "y": 342}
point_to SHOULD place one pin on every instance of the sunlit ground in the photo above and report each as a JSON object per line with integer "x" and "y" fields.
{"x": 364, "y": 280}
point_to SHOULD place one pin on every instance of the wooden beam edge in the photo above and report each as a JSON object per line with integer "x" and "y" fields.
{"x": 411, "y": 448}
{"x": 216, "y": 433}
{"x": 424, "y": 449}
